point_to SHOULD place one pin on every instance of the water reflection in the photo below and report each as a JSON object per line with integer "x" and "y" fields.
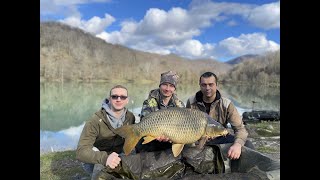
{"x": 264, "y": 98}
{"x": 65, "y": 107}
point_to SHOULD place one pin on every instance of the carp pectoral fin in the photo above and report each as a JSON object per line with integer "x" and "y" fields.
{"x": 202, "y": 141}
{"x": 176, "y": 149}
{"x": 129, "y": 144}
{"x": 131, "y": 136}
{"x": 148, "y": 139}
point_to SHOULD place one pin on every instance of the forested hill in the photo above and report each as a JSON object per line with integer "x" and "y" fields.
{"x": 70, "y": 54}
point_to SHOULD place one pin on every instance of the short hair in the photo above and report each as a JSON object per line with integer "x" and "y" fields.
{"x": 208, "y": 74}
{"x": 119, "y": 86}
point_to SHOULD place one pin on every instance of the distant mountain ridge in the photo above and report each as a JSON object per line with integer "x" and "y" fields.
{"x": 243, "y": 58}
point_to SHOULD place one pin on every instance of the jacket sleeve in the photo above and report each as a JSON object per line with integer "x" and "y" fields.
{"x": 237, "y": 125}
{"x": 84, "y": 151}
{"x": 188, "y": 105}
{"x": 148, "y": 106}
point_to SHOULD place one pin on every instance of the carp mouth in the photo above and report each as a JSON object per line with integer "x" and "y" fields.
{"x": 222, "y": 133}
{"x": 225, "y": 132}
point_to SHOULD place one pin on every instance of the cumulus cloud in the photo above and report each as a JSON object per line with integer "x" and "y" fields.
{"x": 174, "y": 26}
{"x": 266, "y": 16}
{"x": 255, "y": 43}
{"x": 191, "y": 48}
{"x": 152, "y": 48}
{"x": 95, "y": 25}
{"x": 177, "y": 30}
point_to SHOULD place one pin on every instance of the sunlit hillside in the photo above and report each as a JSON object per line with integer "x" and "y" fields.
{"x": 70, "y": 54}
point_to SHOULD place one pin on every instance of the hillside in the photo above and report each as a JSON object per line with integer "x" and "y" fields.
{"x": 70, "y": 54}
{"x": 241, "y": 59}
{"x": 262, "y": 69}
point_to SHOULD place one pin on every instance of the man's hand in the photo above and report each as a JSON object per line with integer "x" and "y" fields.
{"x": 113, "y": 160}
{"x": 163, "y": 138}
{"x": 234, "y": 151}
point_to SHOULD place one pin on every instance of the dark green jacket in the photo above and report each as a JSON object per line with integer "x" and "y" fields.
{"x": 98, "y": 132}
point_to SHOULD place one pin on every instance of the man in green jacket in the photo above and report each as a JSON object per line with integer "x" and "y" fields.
{"x": 98, "y": 144}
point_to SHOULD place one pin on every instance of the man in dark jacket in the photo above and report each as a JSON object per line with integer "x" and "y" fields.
{"x": 210, "y": 100}
{"x": 161, "y": 98}
{"x": 98, "y": 144}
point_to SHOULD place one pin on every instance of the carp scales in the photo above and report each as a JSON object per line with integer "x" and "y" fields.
{"x": 181, "y": 125}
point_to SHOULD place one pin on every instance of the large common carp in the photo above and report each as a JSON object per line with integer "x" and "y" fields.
{"x": 181, "y": 125}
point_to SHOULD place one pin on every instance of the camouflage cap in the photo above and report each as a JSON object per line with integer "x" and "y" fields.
{"x": 169, "y": 77}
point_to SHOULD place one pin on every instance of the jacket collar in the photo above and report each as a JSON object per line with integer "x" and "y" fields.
{"x": 157, "y": 95}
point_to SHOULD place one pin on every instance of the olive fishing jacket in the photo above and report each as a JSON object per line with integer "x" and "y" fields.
{"x": 98, "y": 132}
{"x": 222, "y": 110}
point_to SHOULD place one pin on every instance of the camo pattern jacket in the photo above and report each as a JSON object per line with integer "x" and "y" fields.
{"x": 222, "y": 110}
{"x": 154, "y": 103}
{"x": 98, "y": 132}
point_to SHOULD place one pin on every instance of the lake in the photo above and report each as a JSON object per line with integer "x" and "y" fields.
{"x": 64, "y": 107}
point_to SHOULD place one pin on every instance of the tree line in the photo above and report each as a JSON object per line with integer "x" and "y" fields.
{"x": 263, "y": 70}
{"x": 71, "y": 54}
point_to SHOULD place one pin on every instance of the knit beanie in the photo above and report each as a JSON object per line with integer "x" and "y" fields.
{"x": 169, "y": 77}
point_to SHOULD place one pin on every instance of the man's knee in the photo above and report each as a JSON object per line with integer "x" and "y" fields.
{"x": 96, "y": 170}
{"x": 249, "y": 144}
{"x": 87, "y": 167}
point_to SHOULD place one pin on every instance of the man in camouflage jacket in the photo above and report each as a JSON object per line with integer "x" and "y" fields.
{"x": 161, "y": 98}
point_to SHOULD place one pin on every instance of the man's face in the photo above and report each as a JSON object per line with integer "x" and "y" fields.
{"x": 167, "y": 89}
{"x": 119, "y": 99}
{"x": 208, "y": 86}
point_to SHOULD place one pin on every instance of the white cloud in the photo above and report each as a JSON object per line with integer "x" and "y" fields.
{"x": 153, "y": 22}
{"x": 129, "y": 26}
{"x": 114, "y": 37}
{"x": 148, "y": 46}
{"x": 157, "y": 33}
{"x": 176, "y": 30}
{"x": 172, "y": 27}
{"x": 95, "y": 25}
{"x": 191, "y": 48}
{"x": 255, "y": 43}
{"x": 266, "y": 16}
{"x": 207, "y": 13}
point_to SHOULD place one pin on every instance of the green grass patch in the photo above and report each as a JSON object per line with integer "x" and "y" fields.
{"x": 267, "y": 149}
{"x": 267, "y": 133}
{"x": 61, "y": 165}
{"x": 265, "y": 128}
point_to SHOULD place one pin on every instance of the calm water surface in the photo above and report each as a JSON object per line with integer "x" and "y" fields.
{"x": 65, "y": 107}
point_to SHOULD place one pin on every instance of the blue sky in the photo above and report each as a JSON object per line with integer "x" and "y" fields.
{"x": 192, "y": 29}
